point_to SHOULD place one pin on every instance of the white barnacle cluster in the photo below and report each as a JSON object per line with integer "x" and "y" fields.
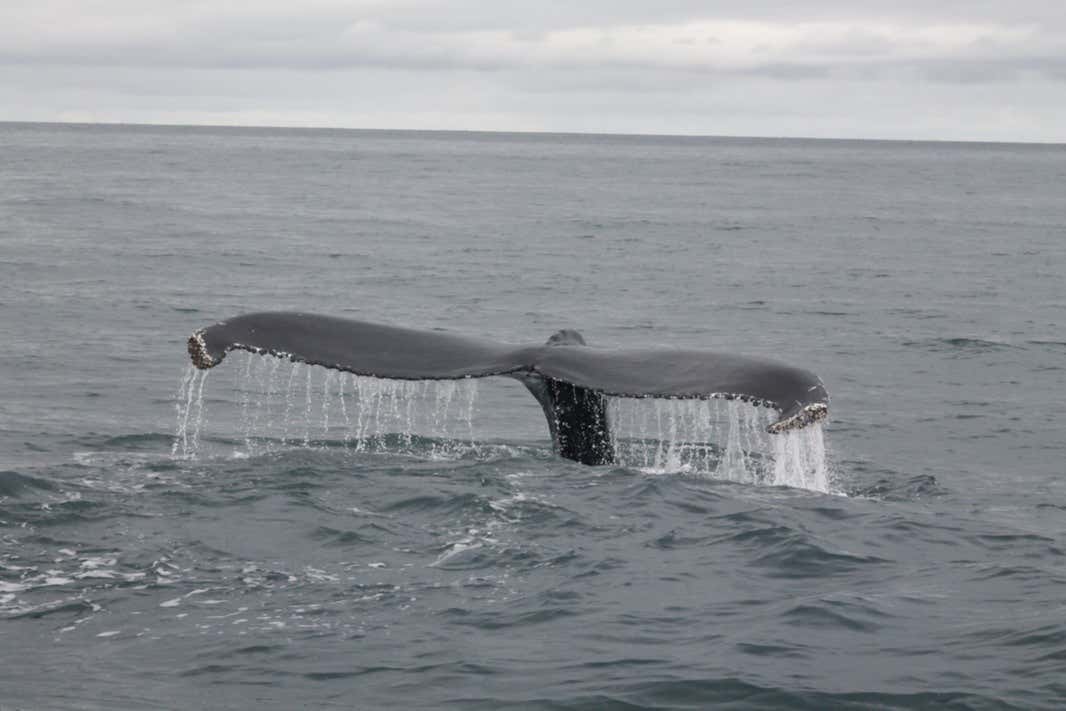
{"x": 283, "y": 355}
{"x": 198, "y": 351}
{"x": 815, "y": 412}
{"x": 749, "y": 399}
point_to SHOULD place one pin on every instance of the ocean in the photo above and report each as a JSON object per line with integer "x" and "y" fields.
{"x": 265, "y": 540}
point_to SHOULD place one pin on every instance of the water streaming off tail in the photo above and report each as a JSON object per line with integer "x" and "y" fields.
{"x": 276, "y": 403}
{"x": 724, "y": 439}
{"x": 189, "y": 404}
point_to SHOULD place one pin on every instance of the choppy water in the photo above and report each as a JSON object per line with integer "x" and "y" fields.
{"x": 278, "y": 542}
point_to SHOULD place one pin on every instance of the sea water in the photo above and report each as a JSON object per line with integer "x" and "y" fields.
{"x": 346, "y": 543}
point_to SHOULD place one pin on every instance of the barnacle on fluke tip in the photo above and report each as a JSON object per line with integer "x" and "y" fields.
{"x": 808, "y": 415}
{"x": 198, "y": 351}
{"x": 570, "y": 380}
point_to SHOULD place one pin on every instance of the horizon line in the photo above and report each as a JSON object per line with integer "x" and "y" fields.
{"x": 527, "y": 132}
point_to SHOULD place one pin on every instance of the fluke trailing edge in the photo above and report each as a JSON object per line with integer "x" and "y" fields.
{"x": 569, "y": 379}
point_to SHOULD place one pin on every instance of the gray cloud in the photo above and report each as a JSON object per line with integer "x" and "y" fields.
{"x": 549, "y": 65}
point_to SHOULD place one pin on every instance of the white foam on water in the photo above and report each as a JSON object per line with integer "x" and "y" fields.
{"x": 456, "y": 549}
{"x": 716, "y": 438}
{"x": 72, "y": 577}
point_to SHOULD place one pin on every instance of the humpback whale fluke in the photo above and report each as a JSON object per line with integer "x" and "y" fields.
{"x": 570, "y": 379}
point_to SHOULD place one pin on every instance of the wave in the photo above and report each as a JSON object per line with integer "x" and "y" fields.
{"x": 735, "y": 693}
{"x": 961, "y": 346}
{"x": 14, "y": 484}
{"x": 920, "y": 486}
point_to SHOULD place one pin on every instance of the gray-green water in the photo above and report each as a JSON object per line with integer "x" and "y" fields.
{"x": 465, "y": 566}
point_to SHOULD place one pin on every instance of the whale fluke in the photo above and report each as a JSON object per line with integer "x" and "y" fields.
{"x": 570, "y": 379}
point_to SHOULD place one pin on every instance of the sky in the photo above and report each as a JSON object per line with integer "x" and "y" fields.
{"x": 986, "y": 70}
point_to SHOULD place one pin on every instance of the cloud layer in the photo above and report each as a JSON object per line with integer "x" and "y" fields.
{"x": 973, "y": 70}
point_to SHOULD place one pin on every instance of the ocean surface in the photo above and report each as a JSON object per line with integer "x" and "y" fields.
{"x": 259, "y": 537}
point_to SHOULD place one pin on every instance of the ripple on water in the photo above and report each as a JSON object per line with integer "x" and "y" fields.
{"x": 16, "y": 484}
{"x": 895, "y": 486}
{"x": 961, "y": 346}
{"x": 784, "y": 552}
{"x": 853, "y": 615}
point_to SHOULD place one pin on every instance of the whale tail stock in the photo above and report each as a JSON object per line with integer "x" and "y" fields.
{"x": 571, "y": 380}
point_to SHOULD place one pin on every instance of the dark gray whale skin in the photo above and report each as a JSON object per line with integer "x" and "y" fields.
{"x": 570, "y": 379}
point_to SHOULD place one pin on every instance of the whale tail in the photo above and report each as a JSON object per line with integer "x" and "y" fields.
{"x": 577, "y": 416}
{"x": 571, "y": 380}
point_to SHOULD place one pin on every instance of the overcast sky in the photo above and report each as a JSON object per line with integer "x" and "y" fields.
{"x": 916, "y": 69}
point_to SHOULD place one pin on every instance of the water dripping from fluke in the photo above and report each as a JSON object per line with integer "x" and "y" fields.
{"x": 189, "y": 405}
{"x": 279, "y": 404}
{"x": 718, "y": 439}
